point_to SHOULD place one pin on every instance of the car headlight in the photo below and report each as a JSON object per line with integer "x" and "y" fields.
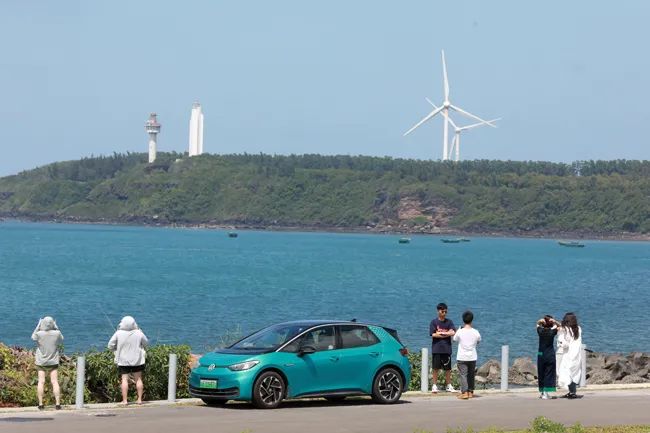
{"x": 195, "y": 364}
{"x": 243, "y": 365}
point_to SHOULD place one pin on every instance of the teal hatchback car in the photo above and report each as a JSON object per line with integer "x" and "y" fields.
{"x": 304, "y": 359}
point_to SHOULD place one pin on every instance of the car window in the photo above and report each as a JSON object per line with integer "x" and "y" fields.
{"x": 320, "y": 339}
{"x": 356, "y": 336}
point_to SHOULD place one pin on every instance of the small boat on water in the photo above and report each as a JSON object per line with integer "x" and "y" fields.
{"x": 573, "y": 244}
{"x": 450, "y": 241}
{"x": 465, "y": 240}
{"x": 404, "y": 240}
{"x": 232, "y": 234}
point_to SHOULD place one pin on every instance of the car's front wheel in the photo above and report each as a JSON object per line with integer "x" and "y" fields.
{"x": 268, "y": 390}
{"x": 387, "y": 386}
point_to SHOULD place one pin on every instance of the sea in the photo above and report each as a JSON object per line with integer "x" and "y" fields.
{"x": 202, "y": 288}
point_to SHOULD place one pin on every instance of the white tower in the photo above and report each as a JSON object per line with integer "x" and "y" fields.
{"x": 153, "y": 128}
{"x": 196, "y": 130}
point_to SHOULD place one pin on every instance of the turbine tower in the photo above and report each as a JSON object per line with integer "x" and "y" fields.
{"x": 455, "y": 142}
{"x": 446, "y": 106}
{"x": 153, "y": 128}
{"x": 196, "y": 130}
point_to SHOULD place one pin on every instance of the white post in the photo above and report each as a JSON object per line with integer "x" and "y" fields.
{"x": 81, "y": 380}
{"x": 583, "y": 374}
{"x": 504, "y": 367}
{"x": 171, "y": 386}
{"x": 424, "y": 374}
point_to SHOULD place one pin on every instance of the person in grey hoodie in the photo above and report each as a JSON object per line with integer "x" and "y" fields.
{"x": 48, "y": 339}
{"x": 129, "y": 343}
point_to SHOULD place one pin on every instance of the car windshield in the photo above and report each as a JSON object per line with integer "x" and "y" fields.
{"x": 269, "y": 338}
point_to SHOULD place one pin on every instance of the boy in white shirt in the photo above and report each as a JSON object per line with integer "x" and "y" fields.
{"x": 467, "y": 338}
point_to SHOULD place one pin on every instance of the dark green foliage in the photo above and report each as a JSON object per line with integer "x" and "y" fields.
{"x": 337, "y": 191}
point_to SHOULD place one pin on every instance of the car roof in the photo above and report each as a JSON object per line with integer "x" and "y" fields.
{"x": 311, "y": 323}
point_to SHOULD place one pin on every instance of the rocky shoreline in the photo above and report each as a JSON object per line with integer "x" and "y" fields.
{"x": 387, "y": 229}
{"x": 602, "y": 368}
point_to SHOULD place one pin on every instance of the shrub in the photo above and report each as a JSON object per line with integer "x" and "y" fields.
{"x": 18, "y": 376}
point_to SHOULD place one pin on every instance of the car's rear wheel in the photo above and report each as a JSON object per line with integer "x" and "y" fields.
{"x": 268, "y": 390}
{"x": 214, "y": 401}
{"x": 335, "y": 398}
{"x": 387, "y": 386}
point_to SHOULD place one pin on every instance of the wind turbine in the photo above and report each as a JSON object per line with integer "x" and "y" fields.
{"x": 446, "y": 105}
{"x": 455, "y": 142}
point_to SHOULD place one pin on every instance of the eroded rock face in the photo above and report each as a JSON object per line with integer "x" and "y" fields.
{"x": 602, "y": 368}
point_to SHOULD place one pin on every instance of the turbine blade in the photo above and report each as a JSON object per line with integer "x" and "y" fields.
{"x": 444, "y": 75}
{"x": 465, "y": 113}
{"x": 431, "y": 103}
{"x": 427, "y": 117}
{"x": 474, "y": 125}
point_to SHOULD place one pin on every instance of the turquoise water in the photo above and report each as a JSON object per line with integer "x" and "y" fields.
{"x": 194, "y": 286}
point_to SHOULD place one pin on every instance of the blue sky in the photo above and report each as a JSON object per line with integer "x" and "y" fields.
{"x": 78, "y": 78}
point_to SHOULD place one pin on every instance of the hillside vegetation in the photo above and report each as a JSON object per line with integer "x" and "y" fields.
{"x": 338, "y": 191}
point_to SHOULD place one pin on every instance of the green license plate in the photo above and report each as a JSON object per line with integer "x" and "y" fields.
{"x": 209, "y": 384}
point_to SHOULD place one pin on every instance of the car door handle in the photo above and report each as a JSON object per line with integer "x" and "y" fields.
{"x": 334, "y": 358}
{"x": 374, "y": 354}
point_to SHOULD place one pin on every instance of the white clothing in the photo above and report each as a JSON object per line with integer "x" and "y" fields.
{"x": 467, "y": 339}
{"x": 128, "y": 343}
{"x": 569, "y": 351}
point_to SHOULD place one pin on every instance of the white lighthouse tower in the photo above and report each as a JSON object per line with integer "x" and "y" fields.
{"x": 196, "y": 130}
{"x": 153, "y": 128}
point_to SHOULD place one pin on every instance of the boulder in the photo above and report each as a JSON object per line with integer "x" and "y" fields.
{"x": 612, "y": 359}
{"x": 523, "y": 372}
{"x": 639, "y": 360}
{"x": 632, "y": 378}
{"x": 491, "y": 371}
{"x": 599, "y": 377}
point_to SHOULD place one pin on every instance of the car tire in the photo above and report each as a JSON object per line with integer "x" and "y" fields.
{"x": 214, "y": 401}
{"x": 269, "y": 390}
{"x": 335, "y": 398}
{"x": 387, "y": 386}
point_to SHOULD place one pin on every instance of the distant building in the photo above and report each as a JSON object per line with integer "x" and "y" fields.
{"x": 153, "y": 128}
{"x": 196, "y": 130}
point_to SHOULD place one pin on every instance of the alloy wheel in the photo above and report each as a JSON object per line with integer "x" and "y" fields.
{"x": 269, "y": 390}
{"x": 388, "y": 386}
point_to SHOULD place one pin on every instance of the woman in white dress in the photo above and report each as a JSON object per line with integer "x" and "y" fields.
{"x": 569, "y": 343}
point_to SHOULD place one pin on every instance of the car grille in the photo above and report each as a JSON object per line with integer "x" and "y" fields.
{"x": 224, "y": 392}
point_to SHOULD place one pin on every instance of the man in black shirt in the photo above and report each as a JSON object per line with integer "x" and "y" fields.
{"x": 441, "y": 330}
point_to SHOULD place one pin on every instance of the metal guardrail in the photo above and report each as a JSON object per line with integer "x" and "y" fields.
{"x": 505, "y": 361}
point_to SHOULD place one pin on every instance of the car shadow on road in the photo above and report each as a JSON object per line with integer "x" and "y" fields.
{"x": 297, "y": 404}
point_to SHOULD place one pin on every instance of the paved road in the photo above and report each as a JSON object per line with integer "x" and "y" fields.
{"x": 434, "y": 414}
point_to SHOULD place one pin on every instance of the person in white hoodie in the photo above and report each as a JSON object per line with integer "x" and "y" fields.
{"x": 129, "y": 343}
{"x": 569, "y": 342}
{"x": 48, "y": 339}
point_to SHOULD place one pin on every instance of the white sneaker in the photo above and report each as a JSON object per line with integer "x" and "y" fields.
{"x": 545, "y": 396}
{"x": 434, "y": 388}
{"x": 450, "y": 388}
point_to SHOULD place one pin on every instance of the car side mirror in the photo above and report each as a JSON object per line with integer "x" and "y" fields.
{"x": 306, "y": 350}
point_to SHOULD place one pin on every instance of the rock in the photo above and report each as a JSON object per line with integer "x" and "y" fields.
{"x": 525, "y": 366}
{"x": 639, "y": 360}
{"x": 491, "y": 371}
{"x": 523, "y": 372}
{"x": 599, "y": 377}
{"x": 632, "y": 378}
{"x": 612, "y": 359}
{"x": 620, "y": 369}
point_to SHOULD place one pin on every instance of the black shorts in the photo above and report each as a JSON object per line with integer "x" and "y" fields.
{"x": 441, "y": 361}
{"x": 128, "y": 369}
